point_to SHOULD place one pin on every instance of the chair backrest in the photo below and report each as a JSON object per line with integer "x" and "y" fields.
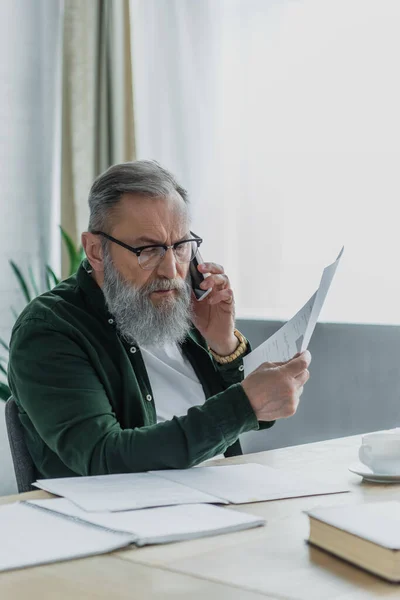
{"x": 23, "y": 464}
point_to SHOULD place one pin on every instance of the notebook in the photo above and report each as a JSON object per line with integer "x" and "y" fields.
{"x": 236, "y": 484}
{"x": 159, "y": 525}
{"x": 367, "y": 535}
{"x": 31, "y": 536}
{"x": 37, "y": 532}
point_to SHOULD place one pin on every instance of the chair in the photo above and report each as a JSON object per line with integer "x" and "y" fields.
{"x": 23, "y": 464}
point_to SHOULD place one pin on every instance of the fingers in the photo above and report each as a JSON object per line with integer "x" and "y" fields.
{"x": 303, "y": 377}
{"x": 295, "y": 366}
{"x": 220, "y": 281}
{"x": 299, "y": 369}
{"x": 224, "y": 296}
{"x": 210, "y": 267}
{"x": 271, "y": 365}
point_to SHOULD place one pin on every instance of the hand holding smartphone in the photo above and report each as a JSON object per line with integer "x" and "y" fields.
{"x": 197, "y": 278}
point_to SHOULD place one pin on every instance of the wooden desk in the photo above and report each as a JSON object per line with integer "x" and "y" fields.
{"x": 268, "y": 562}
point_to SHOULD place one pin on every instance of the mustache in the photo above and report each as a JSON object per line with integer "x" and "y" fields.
{"x": 165, "y": 284}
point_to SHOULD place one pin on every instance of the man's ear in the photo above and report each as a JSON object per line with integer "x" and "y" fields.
{"x": 92, "y": 245}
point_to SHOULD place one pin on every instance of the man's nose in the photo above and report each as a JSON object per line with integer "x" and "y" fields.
{"x": 167, "y": 266}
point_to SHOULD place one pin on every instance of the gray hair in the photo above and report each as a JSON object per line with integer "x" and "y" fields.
{"x": 144, "y": 177}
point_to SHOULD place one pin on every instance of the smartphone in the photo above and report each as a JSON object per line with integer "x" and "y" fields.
{"x": 197, "y": 277}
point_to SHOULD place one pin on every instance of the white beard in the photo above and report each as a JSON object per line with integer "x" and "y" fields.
{"x": 137, "y": 318}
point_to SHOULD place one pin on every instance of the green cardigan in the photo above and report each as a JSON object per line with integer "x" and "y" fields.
{"x": 85, "y": 399}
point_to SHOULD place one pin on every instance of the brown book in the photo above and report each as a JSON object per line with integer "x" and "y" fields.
{"x": 367, "y": 535}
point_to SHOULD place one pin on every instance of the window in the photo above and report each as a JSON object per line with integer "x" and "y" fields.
{"x": 283, "y": 121}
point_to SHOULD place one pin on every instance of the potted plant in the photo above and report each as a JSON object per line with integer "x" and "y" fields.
{"x": 30, "y": 289}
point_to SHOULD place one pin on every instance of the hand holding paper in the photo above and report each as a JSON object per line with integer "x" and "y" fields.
{"x": 295, "y": 335}
{"x": 274, "y": 390}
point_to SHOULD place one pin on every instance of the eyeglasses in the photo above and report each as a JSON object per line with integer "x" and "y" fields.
{"x": 150, "y": 257}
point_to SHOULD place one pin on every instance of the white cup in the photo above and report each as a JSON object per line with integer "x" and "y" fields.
{"x": 381, "y": 451}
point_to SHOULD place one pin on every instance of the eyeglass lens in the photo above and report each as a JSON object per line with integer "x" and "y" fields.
{"x": 151, "y": 257}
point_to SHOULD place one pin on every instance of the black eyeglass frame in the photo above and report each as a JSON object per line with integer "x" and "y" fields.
{"x": 139, "y": 249}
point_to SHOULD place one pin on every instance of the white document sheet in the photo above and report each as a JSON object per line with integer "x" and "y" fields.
{"x": 127, "y": 491}
{"x": 240, "y": 484}
{"x": 163, "y": 524}
{"x": 295, "y": 335}
{"x": 33, "y": 537}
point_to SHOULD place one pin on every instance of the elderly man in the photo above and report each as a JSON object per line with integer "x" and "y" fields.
{"x": 119, "y": 368}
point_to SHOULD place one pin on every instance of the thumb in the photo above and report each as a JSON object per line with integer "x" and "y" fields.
{"x": 298, "y": 364}
{"x": 269, "y": 365}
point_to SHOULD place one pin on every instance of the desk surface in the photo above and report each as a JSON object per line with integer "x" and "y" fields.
{"x": 268, "y": 562}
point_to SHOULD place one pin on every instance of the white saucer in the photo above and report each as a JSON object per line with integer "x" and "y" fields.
{"x": 369, "y": 475}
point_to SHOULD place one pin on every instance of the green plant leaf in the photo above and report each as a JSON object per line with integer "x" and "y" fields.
{"x": 73, "y": 253}
{"x": 3, "y": 369}
{"x": 48, "y": 280}
{"x": 33, "y": 282}
{"x": 5, "y": 391}
{"x": 21, "y": 280}
{"x": 5, "y": 345}
{"x": 14, "y": 312}
{"x": 50, "y": 275}
{"x": 80, "y": 255}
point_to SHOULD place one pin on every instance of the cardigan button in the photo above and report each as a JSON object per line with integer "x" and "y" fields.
{"x": 149, "y": 398}
{"x": 132, "y": 349}
{"x": 241, "y": 368}
{"x": 111, "y": 321}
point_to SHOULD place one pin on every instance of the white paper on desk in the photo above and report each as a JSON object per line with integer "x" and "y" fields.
{"x": 30, "y": 536}
{"x": 240, "y": 484}
{"x": 295, "y": 335}
{"x": 163, "y": 524}
{"x": 127, "y": 491}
